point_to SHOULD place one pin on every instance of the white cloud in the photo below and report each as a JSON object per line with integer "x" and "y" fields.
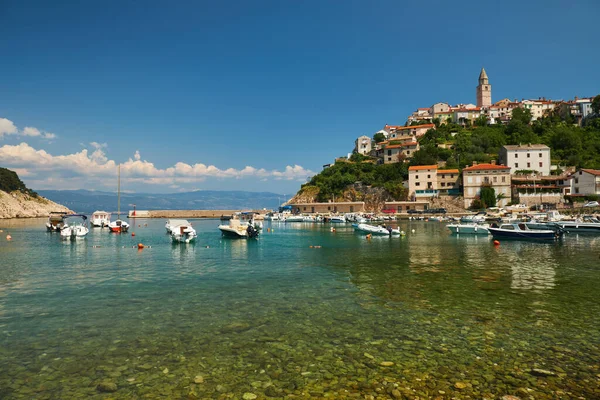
{"x": 7, "y": 127}
{"x": 97, "y": 165}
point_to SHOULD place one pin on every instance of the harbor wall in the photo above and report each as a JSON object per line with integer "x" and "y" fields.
{"x": 183, "y": 214}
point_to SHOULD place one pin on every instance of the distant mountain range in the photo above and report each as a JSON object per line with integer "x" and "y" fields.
{"x": 88, "y": 201}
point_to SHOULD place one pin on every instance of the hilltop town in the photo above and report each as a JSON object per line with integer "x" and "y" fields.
{"x": 540, "y": 153}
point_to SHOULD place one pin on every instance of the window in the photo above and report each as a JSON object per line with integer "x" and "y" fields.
{"x": 541, "y": 165}
{"x": 389, "y": 158}
{"x": 428, "y": 176}
{"x": 304, "y": 208}
{"x": 418, "y": 184}
{"x": 503, "y": 179}
{"x": 528, "y": 155}
{"x": 407, "y": 151}
{"x": 443, "y": 176}
{"x": 416, "y": 176}
{"x": 576, "y": 181}
{"x": 516, "y": 165}
{"x": 389, "y": 152}
{"x": 516, "y": 155}
{"x": 528, "y": 165}
{"x": 443, "y": 184}
{"x": 328, "y": 208}
{"x": 495, "y": 179}
{"x": 451, "y": 176}
{"x": 540, "y": 155}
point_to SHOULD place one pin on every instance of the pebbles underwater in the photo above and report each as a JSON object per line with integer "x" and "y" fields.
{"x": 433, "y": 316}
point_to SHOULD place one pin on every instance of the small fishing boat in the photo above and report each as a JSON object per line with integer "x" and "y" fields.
{"x": 468, "y": 229}
{"x": 75, "y": 229}
{"x": 183, "y": 232}
{"x": 118, "y": 226}
{"x": 377, "y": 230}
{"x": 295, "y": 218}
{"x": 100, "y": 219}
{"x": 473, "y": 219}
{"x": 175, "y": 222}
{"x": 56, "y": 221}
{"x": 237, "y": 229}
{"x": 521, "y": 231}
{"x": 337, "y": 219}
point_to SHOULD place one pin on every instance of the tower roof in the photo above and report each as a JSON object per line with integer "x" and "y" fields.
{"x": 483, "y": 75}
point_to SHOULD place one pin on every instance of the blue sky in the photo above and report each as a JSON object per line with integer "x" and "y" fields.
{"x": 258, "y": 95}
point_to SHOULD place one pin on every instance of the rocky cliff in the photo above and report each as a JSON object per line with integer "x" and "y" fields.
{"x": 374, "y": 197}
{"x": 17, "y": 201}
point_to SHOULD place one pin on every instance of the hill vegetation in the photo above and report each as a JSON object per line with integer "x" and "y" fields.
{"x": 458, "y": 146}
{"x": 10, "y": 182}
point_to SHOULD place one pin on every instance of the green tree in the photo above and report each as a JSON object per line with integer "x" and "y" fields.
{"x": 521, "y": 114}
{"x": 596, "y": 105}
{"x": 482, "y": 120}
{"x": 488, "y": 196}
{"x": 379, "y": 137}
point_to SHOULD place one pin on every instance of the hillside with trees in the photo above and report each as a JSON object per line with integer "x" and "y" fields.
{"x": 458, "y": 146}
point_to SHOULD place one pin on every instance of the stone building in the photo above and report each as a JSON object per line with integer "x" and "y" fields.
{"x": 496, "y": 176}
{"x": 484, "y": 90}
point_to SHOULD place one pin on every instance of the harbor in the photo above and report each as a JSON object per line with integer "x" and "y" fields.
{"x": 429, "y": 314}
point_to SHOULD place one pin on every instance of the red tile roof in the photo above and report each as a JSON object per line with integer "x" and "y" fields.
{"x": 421, "y": 167}
{"x": 447, "y": 171}
{"x": 592, "y": 171}
{"x": 480, "y": 167}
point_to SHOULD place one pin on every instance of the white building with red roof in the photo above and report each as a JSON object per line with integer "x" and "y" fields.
{"x": 585, "y": 182}
{"x": 496, "y": 176}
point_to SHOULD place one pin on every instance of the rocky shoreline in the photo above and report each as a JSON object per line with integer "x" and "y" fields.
{"x": 22, "y": 205}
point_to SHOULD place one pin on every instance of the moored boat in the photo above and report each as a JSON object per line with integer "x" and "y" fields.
{"x": 183, "y": 232}
{"x": 56, "y": 221}
{"x": 75, "y": 229}
{"x": 587, "y": 224}
{"x": 118, "y": 226}
{"x": 237, "y": 229}
{"x": 100, "y": 219}
{"x": 521, "y": 231}
{"x": 377, "y": 230}
{"x": 468, "y": 229}
{"x": 175, "y": 222}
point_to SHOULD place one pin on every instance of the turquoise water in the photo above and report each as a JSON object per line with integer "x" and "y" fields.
{"x": 425, "y": 316}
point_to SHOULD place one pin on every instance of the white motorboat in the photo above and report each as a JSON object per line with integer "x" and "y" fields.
{"x": 100, "y": 219}
{"x": 377, "y": 230}
{"x": 517, "y": 208}
{"x": 473, "y": 219}
{"x": 183, "y": 233}
{"x": 468, "y": 229}
{"x": 309, "y": 218}
{"x": 586, "y": 224}
{"x": 236, "y": 229}
{"x": 337, "y": 219}
{"x": 75, "y": 229}
{"x": 173, "y": 223}
{"x": 295, "y": 218}
{"x": 56, "y": 221}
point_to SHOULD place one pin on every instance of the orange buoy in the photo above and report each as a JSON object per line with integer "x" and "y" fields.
{"x": 496, "y": 243}
{"x": 132, "y": 233}
{"x": 140, "y": 246}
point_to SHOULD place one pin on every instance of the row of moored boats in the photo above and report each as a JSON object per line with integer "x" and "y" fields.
{"x": 75, "y": 226}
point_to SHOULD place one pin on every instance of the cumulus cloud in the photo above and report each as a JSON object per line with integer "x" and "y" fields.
{"x": 7, "y": 127}
{"x": 97, "y": 165}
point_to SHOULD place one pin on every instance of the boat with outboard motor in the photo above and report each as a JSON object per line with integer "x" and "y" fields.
{"x": 238, "y": 229}
{"x": 56, "y": 221}
{"x": 175, "y": 222}
{"x": 119, "y": 226}
{"x": 100, "y": 219}
{"x": 521, "y": 231}
{"x": 182, "y": 232}
{"x": 377, "y": 230}
{"x": 75, "y": 230}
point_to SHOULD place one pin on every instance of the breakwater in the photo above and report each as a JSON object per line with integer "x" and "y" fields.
{"x": 180, "y": 213}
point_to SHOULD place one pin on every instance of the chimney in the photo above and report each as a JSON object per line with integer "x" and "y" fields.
{"x": 474, "y": 163}
{"x": 493, "y": 162}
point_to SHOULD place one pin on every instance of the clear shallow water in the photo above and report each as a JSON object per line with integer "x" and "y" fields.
{"x": 429, "y": 315}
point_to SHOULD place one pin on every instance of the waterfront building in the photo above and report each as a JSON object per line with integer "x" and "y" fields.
{"x": 484, "y": 90}
{"x": 586, "y": 182}
{"x": 362, "y": 145}
{"x": 406, "y": 206}
{"x": 546, "y": 191}
{"x": 429, "y": 181}
{"x": 530, "y": 157}
{"x": 496, "y": 176}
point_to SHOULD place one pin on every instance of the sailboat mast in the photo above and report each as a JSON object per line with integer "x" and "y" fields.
{"x": 119, "y": 192}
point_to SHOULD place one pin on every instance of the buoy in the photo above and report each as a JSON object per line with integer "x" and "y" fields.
{"x": 310, "y": 246}
{"x": 369, "y": 236}
{"x": 496, "y": 243}
{"x": 132, "y": 233}
{"x": 8, "y": 237}
{"x": 413, "y": 231}
{"x": 208, "y": 247}
{"x": 140, "y": 246}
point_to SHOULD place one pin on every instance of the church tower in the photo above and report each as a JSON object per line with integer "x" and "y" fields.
{"x": 484, "y": 90}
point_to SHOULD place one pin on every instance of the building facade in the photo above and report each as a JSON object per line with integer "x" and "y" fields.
{"x": 429, "y": 181}
{"x": 585, "y": 181}
{"x": 496, "y": 176}
{"x": 362, "y": 145}
{"x": 330, "y": 207}
{"x": 531, "y": 157}
{"x": 484, "y": 90}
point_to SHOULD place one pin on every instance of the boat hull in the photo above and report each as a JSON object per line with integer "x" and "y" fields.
{"x": 523, "y": 235}
{"x": 459, "y": 229}
{"x": 582, "y": 227}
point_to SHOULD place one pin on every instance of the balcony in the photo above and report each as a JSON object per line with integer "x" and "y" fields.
{"x": 426, "y": 193}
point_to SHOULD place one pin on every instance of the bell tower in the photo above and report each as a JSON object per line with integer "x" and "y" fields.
{"x": 484, "y": 90}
